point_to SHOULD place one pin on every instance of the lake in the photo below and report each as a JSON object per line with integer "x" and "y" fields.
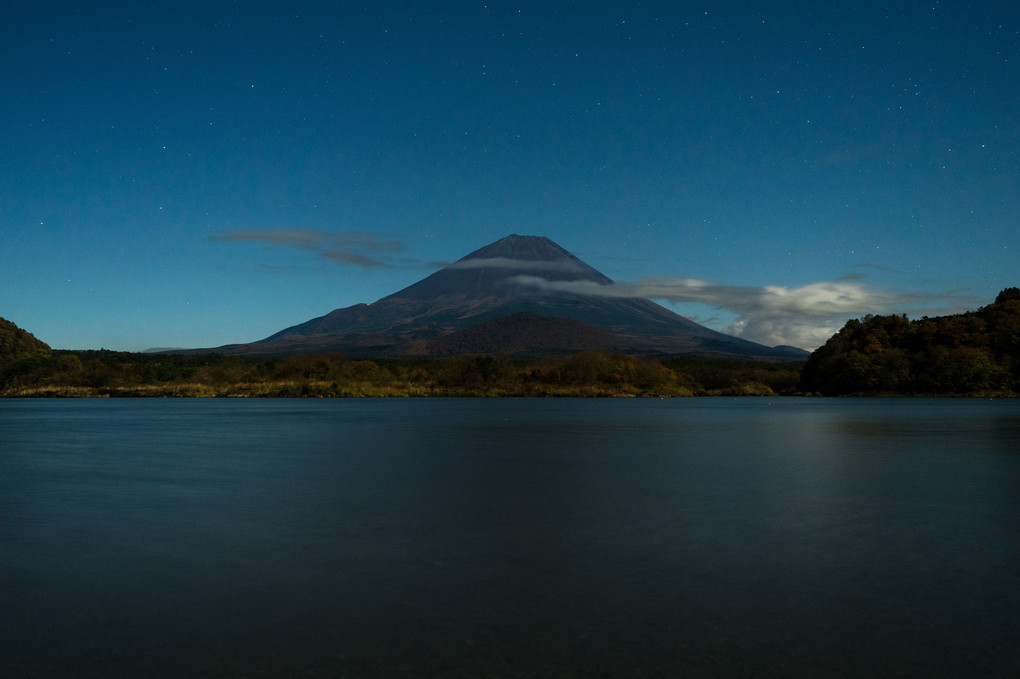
{"x": 509, "y": 537}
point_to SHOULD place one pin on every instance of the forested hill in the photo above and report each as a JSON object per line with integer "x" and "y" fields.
{"x": 16, "y": 344}
{"x": 967, "y": 354}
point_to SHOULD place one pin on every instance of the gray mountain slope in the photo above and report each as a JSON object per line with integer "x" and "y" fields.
{"x": 485, "y": 285}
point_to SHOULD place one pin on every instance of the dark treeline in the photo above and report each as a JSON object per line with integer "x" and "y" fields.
{"x": 16, "y": 343}
{"x": 110, "y": 373}
{"x": 976, "y": 353}
{"x": 973, "y": 354}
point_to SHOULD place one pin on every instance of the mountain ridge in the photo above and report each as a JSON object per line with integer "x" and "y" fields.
{"x": 17, "y": 343}
{"x": 485, "y": 285}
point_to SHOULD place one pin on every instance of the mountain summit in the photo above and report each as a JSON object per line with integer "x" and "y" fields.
{"x": 502, "y": 292}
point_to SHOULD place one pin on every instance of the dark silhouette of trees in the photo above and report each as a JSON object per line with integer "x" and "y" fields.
{"x": 21, "y": 354}
{"x": 972, "y": 353}
{"x": 589, "y": 373}
{"x": 965, "y": 354}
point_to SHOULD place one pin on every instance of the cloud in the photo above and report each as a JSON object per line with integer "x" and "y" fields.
{"x": 358, "y": 248}
{"x": 519, "y": 264}
{"x": 804, "y": 316}
{"x": 355, "y": 258}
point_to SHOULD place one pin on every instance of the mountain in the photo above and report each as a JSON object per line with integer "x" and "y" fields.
{"x": 16, "y": 344}
{"x": 527, "y": 334}
{"x": 514, "y": 275}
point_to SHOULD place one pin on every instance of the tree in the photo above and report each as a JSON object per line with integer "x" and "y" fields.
{"x": 975, "y": 352}
{"x": 16, "y": 344}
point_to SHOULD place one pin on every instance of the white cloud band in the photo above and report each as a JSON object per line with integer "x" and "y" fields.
{"x": 804, "y": 316}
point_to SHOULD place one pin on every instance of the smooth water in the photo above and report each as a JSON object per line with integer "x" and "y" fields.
{"x": 544, "y": 537}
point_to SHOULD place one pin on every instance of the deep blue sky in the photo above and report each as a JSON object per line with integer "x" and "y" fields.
{"x": 200, "y": 173}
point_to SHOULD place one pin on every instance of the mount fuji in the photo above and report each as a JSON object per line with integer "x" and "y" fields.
{"x": 496, "y": 301}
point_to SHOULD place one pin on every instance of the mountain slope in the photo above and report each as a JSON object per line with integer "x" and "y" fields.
{"x": 16, "y": 344}
{"x": 526, "y": 334}
{"x": 977, "y": 352}
{"x": 459, "y": 294}
{"x": 499, "y": 280}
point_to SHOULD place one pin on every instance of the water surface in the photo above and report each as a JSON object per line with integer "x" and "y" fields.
{"x": 532, "y": 537}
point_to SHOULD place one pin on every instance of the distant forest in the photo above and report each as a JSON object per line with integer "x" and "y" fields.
{"x": 976, "y": 353}
{"x": 971, "y": 354}
{"x": 591, "y": 373}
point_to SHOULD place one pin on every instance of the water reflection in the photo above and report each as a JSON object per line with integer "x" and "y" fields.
{"x": 517, "y": 537}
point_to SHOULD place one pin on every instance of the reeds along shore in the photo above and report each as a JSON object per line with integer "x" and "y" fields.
{"x": 121, "y": 374}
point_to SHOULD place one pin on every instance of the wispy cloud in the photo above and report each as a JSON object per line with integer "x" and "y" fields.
{"x": 804, "y": 316}
{"x": 359, "y": 248}
{"x": 515, "y": 264}
{"x": 355, "y": 258}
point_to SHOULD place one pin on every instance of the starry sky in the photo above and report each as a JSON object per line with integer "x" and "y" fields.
{"x": 192, "y": 174}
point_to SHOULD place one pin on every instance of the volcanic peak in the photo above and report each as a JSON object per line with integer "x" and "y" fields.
{"x": 488, "y": 272}
{"x": 486, "y": 285}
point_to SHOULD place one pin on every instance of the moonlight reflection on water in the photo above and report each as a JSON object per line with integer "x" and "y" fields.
{"x": 509, "y": 537}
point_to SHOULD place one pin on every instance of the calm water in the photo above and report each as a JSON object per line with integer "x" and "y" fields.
{"x": 714, "y": 537}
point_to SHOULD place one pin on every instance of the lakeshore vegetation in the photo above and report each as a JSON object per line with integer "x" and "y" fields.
{"x": 976, "y": 354}
{"x": 971, "y": 354}
{"x": 111, "y": 373}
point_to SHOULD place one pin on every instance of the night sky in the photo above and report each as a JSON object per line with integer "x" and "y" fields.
{"x": 191, "y": 174}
